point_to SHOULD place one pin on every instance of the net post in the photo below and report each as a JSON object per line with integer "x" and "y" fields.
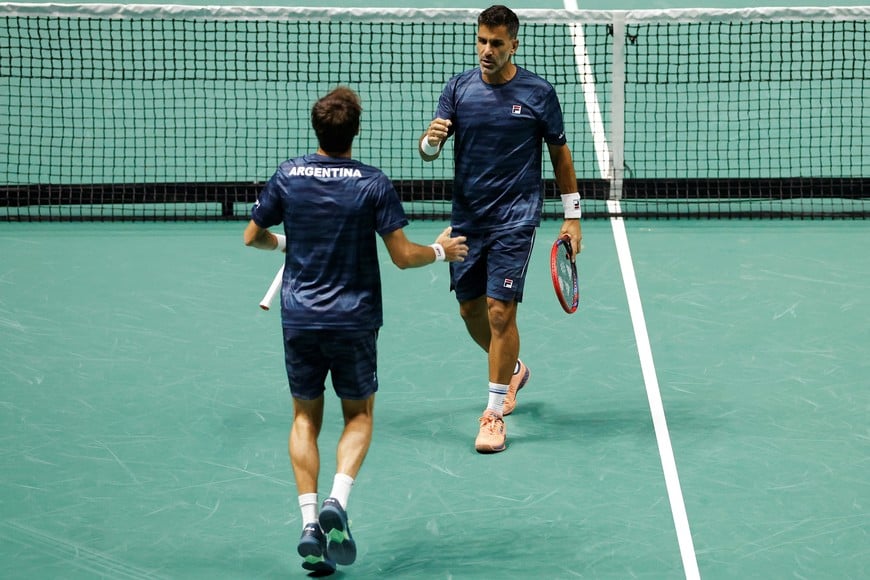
{"x": 617, "y": 108}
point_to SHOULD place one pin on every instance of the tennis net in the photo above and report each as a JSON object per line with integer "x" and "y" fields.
{"x": 149, "y": 112}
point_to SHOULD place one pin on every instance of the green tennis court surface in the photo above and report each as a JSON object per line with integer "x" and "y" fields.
{"x": 143, "y": 402}
{"x": 144, "y": 411}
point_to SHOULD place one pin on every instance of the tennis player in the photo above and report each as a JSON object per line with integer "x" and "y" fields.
{"x": 500, "y": 115}
{"x": 331, "y": 207}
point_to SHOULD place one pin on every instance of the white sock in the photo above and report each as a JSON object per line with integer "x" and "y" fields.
{"x": 341, "y": 485}
{"x": 496, "y": 398}
{"x": 308, "y": 505}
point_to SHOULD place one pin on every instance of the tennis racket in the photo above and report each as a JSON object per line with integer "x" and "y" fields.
{"x": 274, "y": 289}
{"x": 564, "y": 273}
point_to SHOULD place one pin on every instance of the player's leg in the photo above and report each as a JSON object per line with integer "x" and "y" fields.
{"x": 475, "y": 315}
{"x": 353, "y": 446}
{"x": 492, "y": 325}
{"x": 508, "y": 259}
{"x": 306, "y": 372}
{"x": 357, "y": 435}
{"x": 468, "y": 282}
{"x": 304, "y": 453}
{"x": 505, "y": 367}
{"x": 305, "y": 457}
{"x": 504, "y": 346}
{"x": 306, "y": 375}
{"x": 480, "y": 324}
{"x": 354, "y": 377}
{"x": 504, "y": 340}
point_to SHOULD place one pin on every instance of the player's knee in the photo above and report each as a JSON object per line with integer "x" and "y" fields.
{"x": 472, "y": 310}
{"x": 502, "y": 315}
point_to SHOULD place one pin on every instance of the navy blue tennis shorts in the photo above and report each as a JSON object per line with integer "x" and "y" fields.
{"x": 350, "y": 357}
{"x": 496, "y": 265}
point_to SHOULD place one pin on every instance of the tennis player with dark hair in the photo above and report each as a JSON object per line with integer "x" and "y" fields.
{"x": 331, "y": 207}
{"x": 500, "y": 115}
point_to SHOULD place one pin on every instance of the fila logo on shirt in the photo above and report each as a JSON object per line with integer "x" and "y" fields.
{"x": 517, "y": 110}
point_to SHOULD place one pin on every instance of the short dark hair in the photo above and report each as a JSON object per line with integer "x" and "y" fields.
{"x": 499, "y": 15}
{"x": 335, "y": 119}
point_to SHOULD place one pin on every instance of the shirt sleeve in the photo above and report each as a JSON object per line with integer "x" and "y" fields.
{"x": 268, "y": 210}
{"x": 389, "y": 213}
{"x": 447, "y": 104}
{"x": 554, "y": 123}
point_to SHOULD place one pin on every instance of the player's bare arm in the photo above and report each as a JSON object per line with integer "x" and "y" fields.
{"x": 566, "y": 179}
{"x": 406, "y": 254}
{"x": 433, "y": 139}
{"x": 261, "y": 238}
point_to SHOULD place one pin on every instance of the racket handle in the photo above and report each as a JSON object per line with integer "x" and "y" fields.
{"x": 274, "y": 288}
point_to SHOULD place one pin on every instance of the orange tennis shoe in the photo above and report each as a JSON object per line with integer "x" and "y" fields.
{"x": 491, "y": 438}
{"x": 518, "y": 381}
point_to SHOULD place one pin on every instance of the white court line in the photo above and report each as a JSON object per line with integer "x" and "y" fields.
{"x": 644, "y": 349}
{"x": 657, "y": 409}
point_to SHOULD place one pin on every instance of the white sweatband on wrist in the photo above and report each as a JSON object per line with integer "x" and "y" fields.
{"x": 282, "y": 242}
{"x": 427, "y": 147}
{"x": 571, "y": 205}
{"x": 440, "y": 255}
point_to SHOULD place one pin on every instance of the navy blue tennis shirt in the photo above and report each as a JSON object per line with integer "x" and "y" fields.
{"x": 331, "y": 208}
{"x": 498, "y": 131}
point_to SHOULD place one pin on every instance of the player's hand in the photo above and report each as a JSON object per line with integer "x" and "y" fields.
{"x": 437, "y": 131}
{"x": 455, "y": 249}
{"x": 571, "y": 228}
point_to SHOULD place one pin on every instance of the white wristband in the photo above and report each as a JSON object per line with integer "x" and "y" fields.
{"x": 428, "y": 148}
{"x": 440, "y": 255}
{"x": 282, "y": 242}
{"x": 571, "y": 205}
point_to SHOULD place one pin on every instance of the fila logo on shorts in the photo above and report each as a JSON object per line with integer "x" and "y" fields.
{"x": 516, "y": 109}
{"x": 508, "y": 283}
